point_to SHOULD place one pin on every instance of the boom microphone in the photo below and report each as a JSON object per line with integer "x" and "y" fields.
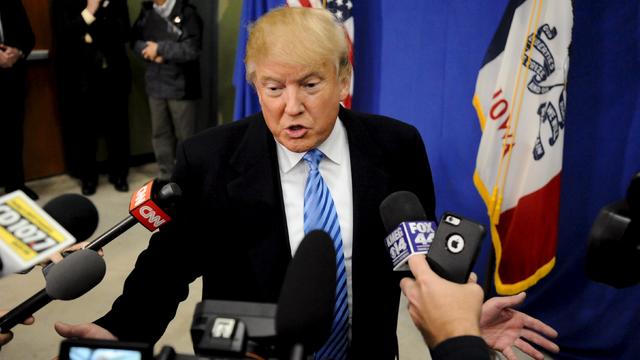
{"x": 71, "y": 278}
{"x": 305, "y": 308}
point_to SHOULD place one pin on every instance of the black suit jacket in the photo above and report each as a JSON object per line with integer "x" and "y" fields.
{"x": 18, "y": 34}
{"x": 231, "y": 228}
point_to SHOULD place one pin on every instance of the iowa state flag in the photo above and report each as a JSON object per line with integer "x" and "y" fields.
{"x": 246, "y": 99}
{"x": 520, "y": 98}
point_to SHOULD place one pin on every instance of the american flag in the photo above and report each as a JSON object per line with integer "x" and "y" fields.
{"x": 342, "y": 9}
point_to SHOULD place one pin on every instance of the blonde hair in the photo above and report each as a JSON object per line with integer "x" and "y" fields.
{"x": 298, "y": 36}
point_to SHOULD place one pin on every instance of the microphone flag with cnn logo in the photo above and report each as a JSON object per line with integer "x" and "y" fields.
{"x": 143, "y": 208}
{"x": 520, "y": 99}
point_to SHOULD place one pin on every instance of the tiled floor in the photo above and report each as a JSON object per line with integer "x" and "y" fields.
{"x": 40, "y": 341}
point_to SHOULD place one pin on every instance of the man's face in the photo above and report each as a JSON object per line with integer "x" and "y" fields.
{"x": 300, "y": 104}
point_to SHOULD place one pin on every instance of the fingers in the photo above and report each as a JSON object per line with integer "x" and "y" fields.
{"x": 509, "y": 354}
{"x": 418, "y": 265}
{"x": 540, "y": 327}
{"x": 526, "y": 348}
{"x": 473, "y": 278}
{"x": 28, "y": 321}
{"x": 5, "y": 337}
{"x": 540, "y": 340}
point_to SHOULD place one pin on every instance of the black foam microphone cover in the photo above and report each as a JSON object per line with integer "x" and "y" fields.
{"x": 75, "y": 213}
{"x": 307, "y": 298}
{"x": 75, "y": 275}
{"x": 401, "y": 206}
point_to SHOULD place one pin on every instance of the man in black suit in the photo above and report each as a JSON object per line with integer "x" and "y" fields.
{"x": 94, "y": 79}
{"x": 16, "y": 42}
{"x": 242, "y": 212}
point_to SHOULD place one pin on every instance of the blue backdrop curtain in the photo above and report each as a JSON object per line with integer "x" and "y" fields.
{"x": 418, "y": 61}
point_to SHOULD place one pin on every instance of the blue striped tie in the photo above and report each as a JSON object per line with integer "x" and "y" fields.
{"x": 320, "y": 213}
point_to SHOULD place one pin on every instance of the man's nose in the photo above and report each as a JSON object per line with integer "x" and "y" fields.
{"x": 294, "y": 105}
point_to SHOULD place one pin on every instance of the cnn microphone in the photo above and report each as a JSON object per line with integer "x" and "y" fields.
{"x": 451, "y": 249}
{"x": 304, "y": 315}
{"x": 71, "y": 278}
{"x": 29, "y": 234}
{"x": 145, "y": 207}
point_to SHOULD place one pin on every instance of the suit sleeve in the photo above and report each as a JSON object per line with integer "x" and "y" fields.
{"x": 462, "y": 347}
{"x": 160, "y": 279}
{"x": 27, "y": 40}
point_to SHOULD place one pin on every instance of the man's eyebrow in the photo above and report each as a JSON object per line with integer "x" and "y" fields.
{"x": 301, "y": 79}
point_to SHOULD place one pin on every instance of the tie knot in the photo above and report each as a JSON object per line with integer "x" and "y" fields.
{"x": 313, "y": 157}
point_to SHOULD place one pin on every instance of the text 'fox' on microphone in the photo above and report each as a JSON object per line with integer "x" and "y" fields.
{"x": 304, "y": 314}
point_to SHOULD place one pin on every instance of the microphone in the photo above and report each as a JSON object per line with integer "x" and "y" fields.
{"x": 145, "y": 207}
{"x": 451, "y": 249}
{"x": 304, "y": 315}
{"x": 71, "y": 278}
{"x": 409, "y": 230}
{"x": 29, "y": 234}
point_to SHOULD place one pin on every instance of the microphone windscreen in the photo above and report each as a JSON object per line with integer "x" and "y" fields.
{"x": 307, "y": 298}
{"x": 75, "y": 213}
{"x": 401, "y": 206}
{"x": 75, "y": 275}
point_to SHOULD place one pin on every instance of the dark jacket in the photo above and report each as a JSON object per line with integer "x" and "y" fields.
{"x": 83, "y": 65}
{"x": 179, "y": 41}
{"x": 18, "y": 34}
{"x": 231, "y": 228}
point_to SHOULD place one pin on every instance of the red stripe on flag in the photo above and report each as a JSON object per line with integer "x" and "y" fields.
{"x": 528, "y": 233}
{"x": 305, "y": 3}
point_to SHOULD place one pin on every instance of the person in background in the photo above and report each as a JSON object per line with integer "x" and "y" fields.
{"x": 16, "y": 42}
{"x": 95, "y": 80}
{"x": 168, "y": 36}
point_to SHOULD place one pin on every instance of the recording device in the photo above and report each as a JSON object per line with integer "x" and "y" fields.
{"x": 451, "y": 248}
{"x": 613, "y": 251}
{"x": 30, "y": 235}
{"x": 71, "y": 278}
{"x": 299, "y": 324}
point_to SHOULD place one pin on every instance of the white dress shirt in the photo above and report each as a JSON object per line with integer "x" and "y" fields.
{"x": 335, "y": 169}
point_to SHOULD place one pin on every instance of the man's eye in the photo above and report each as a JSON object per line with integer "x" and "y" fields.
{"x": 311, "y": 85}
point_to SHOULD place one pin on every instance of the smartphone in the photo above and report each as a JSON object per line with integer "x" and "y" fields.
{"x": 455, "y": 247}
{"x": 90, "y": 349}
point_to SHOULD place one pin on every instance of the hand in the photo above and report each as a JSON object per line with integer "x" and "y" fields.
{"x": 83, "y": 331}
{"x": 9, "y": 56}
{"x": 6, "y": 337}
{"x": 439, "y": 308}
{"x": 158, "y": 60}
{"x": 502, "y": 327}
{"x": 92, "y": 6}
{"x": 150, "y": 52}
{"x": 57, "y": 257}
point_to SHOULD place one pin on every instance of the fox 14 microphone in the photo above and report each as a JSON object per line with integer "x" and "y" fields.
{"x": 297, "y": 326}
{"x": 451, "y": 247}
{"x": 29, "y": 234}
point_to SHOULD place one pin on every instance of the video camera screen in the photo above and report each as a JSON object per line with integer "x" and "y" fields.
{"x": 87, "y": 349}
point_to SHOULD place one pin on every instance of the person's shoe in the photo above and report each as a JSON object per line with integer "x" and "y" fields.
{"x": 88, "y": 187}
{"x": 120, "y": 184}
{"x": 25, "y": 189}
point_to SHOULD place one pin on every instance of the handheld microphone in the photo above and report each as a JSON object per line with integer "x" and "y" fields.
{"x": 304, "y": 315}
{"x": 71, "y": 278}
{"x": 145, "y": 207}
{"x": 409, "y": 230}
{"x": 29, "y": 234}
{"x": 451, "y": 249}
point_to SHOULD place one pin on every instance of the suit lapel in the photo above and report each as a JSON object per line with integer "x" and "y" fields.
{"x": 257, "y": 187}
{"x": 369, "y": 179}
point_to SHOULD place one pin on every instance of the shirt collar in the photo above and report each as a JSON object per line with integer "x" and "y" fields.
{"x": 165, "y": 9}
{"x": 333, "y": 149}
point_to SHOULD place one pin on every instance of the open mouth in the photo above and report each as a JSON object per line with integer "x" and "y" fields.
{"x": 296, "y": 131}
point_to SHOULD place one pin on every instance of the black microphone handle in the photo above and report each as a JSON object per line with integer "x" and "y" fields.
{"x": 112, "y": 233}
{"x": 21, "y": 312}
